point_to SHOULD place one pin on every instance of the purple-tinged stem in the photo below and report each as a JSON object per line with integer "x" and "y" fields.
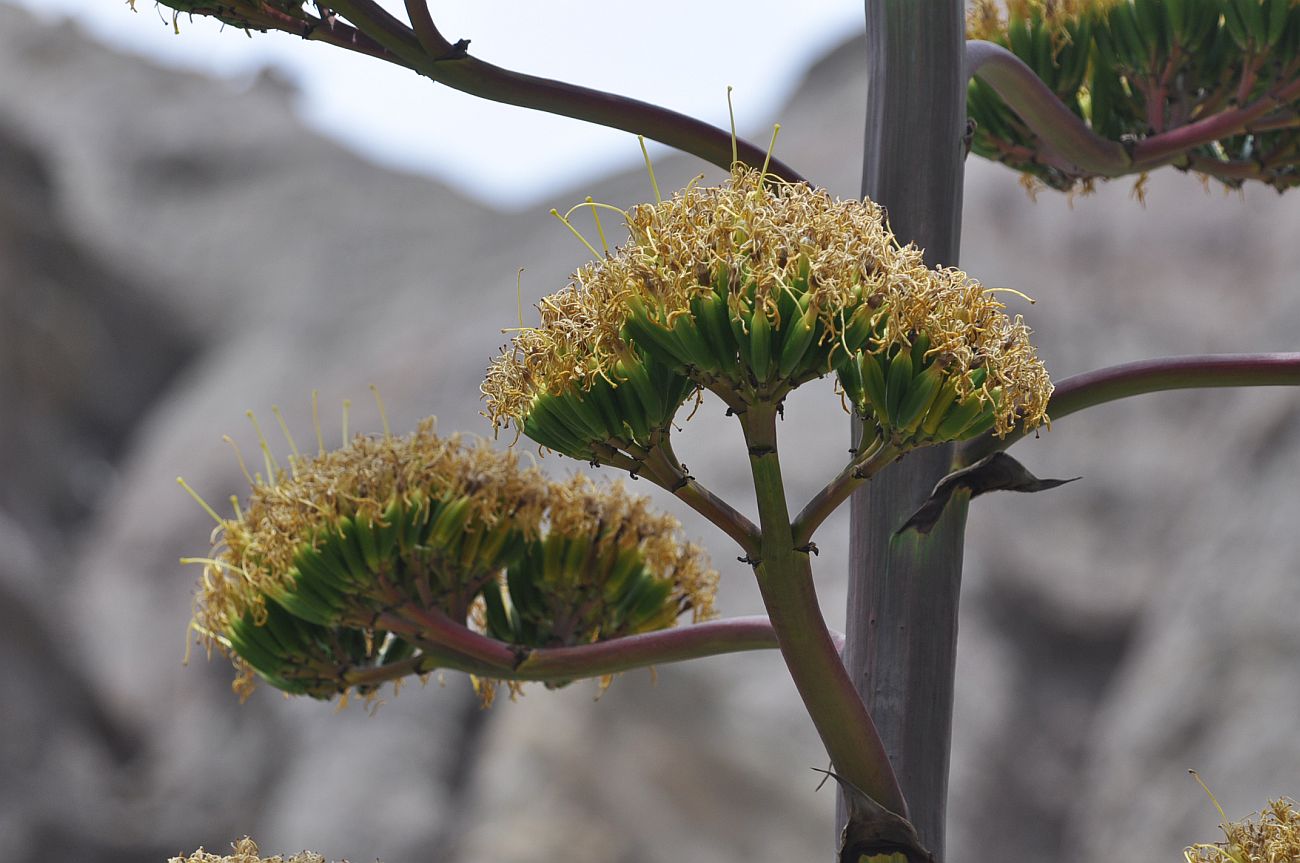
{"x": 1159, "y": 149}
{"x": 426, "y": 51}
{"x": 1040, "y": 109}
{"x": 834, "y": 493}
{"x": 662, "y": 468}
{"x": 651, "y": 648}
{"x": 432, "y": 625}
{"x": 447, "y": 644}
{"x": 1086, "y": 390}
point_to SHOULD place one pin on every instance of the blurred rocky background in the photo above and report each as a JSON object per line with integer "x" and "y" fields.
{"x": 175, "y": 250}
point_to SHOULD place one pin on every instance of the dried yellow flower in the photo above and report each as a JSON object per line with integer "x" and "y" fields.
{"x": 1273, "y": 837}
{"x": 246, "y": 851}
{"x": 984, "y": 19}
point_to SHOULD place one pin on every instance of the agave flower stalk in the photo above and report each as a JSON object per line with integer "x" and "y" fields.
{"x": 750, "y": 289}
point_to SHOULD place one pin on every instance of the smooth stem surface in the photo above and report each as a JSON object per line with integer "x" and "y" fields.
{"x": 478, "y": 654}
{"x": 858, "y": 471}
{"x": 785, "y": 581}
{"x": 426, "y": 51}
{"x": 1035, "y": 103}
{"x": 662, "y": 468}
{"x": 712, "y": 638}
{"x": 901, "y": 626}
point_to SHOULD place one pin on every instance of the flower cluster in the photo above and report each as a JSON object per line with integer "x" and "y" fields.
{"x": 1133, "y": 69}
{"x": 334, "y": 564}
{"x": 1274, "y": 837}
{"x": 749, "y": 289}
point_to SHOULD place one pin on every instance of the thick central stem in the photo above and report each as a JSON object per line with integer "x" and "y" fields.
{"x": 902, "y": 612}
{"x": 784, "y": 576}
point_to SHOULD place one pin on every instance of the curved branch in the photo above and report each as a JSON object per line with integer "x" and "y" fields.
{"x": 1110, "y": 384}
{"x": 436, "y": 627}
{"x": 376, "y": 22}
{"x": 662, "y": 468}
{"x": 1070, "y": 138}
{"x": 562, "y": 664}
{"x": 858, "y": 471}
{"x": 711, "y": 638}
{"x": 1159, "y": 149}
{"x": 430, "y": 54}
{"x": 1045, "y": 114}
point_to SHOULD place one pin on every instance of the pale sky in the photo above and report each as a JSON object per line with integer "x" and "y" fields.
{"x": 677, "y": 53}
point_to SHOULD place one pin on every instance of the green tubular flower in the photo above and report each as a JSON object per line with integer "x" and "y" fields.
{"x": 941, "y": 361}
{"x": 298, "y": 574}
{"x": 748, "y": 286}
{"x": 607, "y": 567}
{"x": 1136, "y": 68}
{"x": 575, "y": 386}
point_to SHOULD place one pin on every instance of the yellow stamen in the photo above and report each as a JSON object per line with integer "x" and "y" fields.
{"x": 1209, "y": 794}
{"x": 239, "y": 457}
{"x": 650, "y": 169}
{"x": 212, "y": 561}
{"x": 200, "y": 501}
{"x": 383, "y": 415}
{"x": 315, "y": 422}
{"x": 293, "y": 447}
{"x": 1005, "y": 290}
{"x": 272, "y": 466}
{"x": 595, "y": 217}
{"x": 519, "y": 295}
{"x": 576, "y": 232}
{"x": 731, "y": 111}
{"x": 767, "y": 160}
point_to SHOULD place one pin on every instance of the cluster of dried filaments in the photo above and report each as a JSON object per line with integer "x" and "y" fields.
{"x": 246, "y": 851}
{"x": 985, "y": 19}
{"x": 253, "y": 553}
{"x": 756, "y": 241}
{"x": 1273, "y": 837}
